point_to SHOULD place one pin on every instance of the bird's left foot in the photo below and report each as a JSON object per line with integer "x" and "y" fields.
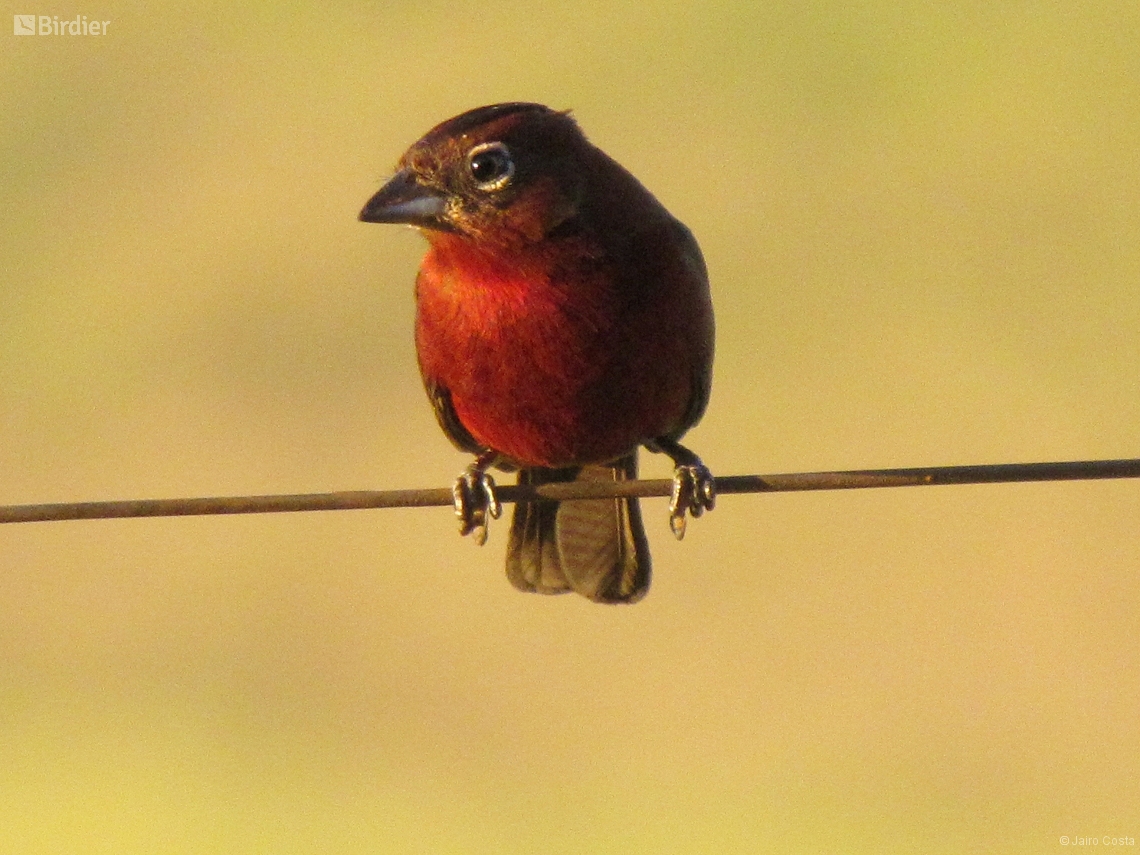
{"x": 475, "y": 501}
{"x": 694, "y": 488}
{"x": 694, "y": 492}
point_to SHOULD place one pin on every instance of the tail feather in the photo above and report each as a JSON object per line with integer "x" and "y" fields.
{"x": 532, "y": 551}
{"x": 596, "y": 548}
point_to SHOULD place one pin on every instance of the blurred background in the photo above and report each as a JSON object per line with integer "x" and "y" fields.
{"x": 920, "y": 222}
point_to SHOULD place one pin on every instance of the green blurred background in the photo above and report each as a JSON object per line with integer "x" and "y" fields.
{"x": 920, "y": 221}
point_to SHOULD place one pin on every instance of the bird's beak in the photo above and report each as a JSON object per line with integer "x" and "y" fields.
{"x": 405, "y": 200}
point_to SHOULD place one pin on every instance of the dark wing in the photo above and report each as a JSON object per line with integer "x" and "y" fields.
{"x": 706, "y": 326}
{"x": 449, "y": 420}
{"x": 672, "y": 278}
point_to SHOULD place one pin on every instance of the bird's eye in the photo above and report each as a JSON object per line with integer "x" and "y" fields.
{"x": 491, "y": 165}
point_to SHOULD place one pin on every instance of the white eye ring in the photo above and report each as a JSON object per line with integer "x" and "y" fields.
{"x": 491, "y": 165}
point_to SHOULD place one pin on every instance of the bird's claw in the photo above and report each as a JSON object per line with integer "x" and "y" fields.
{"x": 694, "y": 492}
{"x": 475, "y": 502}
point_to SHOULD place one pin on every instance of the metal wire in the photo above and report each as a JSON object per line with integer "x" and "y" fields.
{"x": 1003, "y": 473}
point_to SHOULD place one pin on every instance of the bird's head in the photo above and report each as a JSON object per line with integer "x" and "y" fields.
{"x": 505, "y": 175}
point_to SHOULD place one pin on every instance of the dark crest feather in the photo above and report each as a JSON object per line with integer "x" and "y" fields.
{"x": 480, "y": 116}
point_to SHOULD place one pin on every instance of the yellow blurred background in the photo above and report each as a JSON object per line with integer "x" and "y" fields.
{"x": 921, "y": 224}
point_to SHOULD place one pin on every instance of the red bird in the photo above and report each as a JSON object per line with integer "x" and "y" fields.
{"x": 563, "y": 320}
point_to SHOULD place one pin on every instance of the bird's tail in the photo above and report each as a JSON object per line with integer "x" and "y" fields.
{"x": 595, "y": 547}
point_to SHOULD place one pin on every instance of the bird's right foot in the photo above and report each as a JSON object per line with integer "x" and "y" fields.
{"x": 475, "y": 501}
